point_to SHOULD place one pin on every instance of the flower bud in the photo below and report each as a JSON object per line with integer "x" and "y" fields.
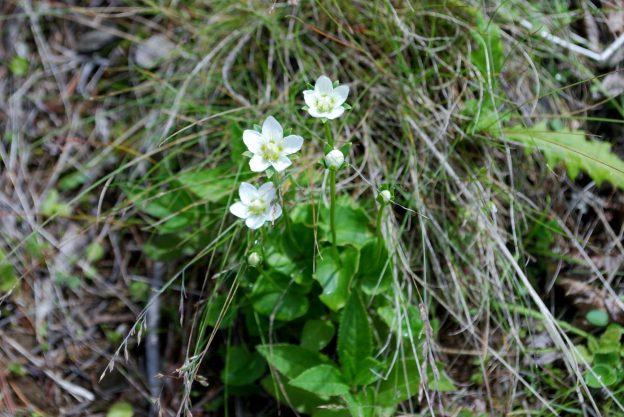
{"x": 254, "y": 259}
{"x": 334, "y": 159}
{"x": 386, "y": 196}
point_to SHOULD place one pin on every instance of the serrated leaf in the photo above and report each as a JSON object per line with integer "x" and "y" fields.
{"x": 355, "y": 343}
{"x": 323, "y": 380}
{"x": 291, "y": 360}
{"x": 573, "y": 150}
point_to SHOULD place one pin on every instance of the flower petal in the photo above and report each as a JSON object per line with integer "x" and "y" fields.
{"x": 281, "y": 164}
{"x": 340, "y": 94}
{"x": 271, "y": 129}
{"x": 239, "y": 210}
{"x": 253, "y": 140}
{"x": 335, "y": 113}
{"x": 255, "y": 222}
{"x": 267, "y": 192}
{"x": 309, "y": 96}
{"x": 258, "y": 163}
{"x": 292, "y": 144}
{"x": 323, "y": 85}
{"x": 315, "y": 113}
{"x": 274, "y": 212}
{"x": 247, "y": 192}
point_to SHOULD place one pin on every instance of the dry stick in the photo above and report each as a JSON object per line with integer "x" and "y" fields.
{"x": 602, "y": 57}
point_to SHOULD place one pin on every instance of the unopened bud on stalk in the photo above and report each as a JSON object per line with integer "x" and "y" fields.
{"x": 334, "y": 159}
{"x": 386, "y": 196}
{"x": 254, "y": 259}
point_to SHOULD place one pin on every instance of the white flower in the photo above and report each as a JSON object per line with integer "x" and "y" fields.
{"x": 257, "y": 205}
{"x": 386, "y": 196}
{"x": 334, "y": 159}
{"x": 270, "y": 147}
{"x": 325, "y": 101}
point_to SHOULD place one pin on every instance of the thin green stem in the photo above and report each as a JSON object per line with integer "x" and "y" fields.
{"x": 332, "y": 206}
{"x": 329, "y": 135}
{"x": 332, "y": 192}
{"x": 380, "y": 239}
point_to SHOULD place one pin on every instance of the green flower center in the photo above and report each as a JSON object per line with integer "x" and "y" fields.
{"x": 257, "y": 207}
{"x": 271, "y": 151}
{"x": 325, "y": 103}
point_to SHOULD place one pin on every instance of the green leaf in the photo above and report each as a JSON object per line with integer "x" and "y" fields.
{"x": 242, "y": 367}
{"x": 375, "y": 270}
{"x": 362, "y": 404}
{"x": 401, "y": 384}
{"x": 317, "y": 334}
{"x": 282, "y": 306}
{"x": 8, "y": 277}
{"x": 574, "y": 151}
{"x": 334, "y": 273}
{"x": 352, "y": 225}
{"x": 18, "y": 66}
{"x": 275, "y": 295}
{"x": 598, "y": 318}
{"x": 214, "y": 309}
{"x": 52, "y": 207}
{"x": 355, "y": 343}
{"x": 291, "y": 360}
{"x": 322, "y": 380}
{"x": 95, "y": 252}
{"x": 602, "y": 375}
{"x": 412, "y": 323}
{"x": 368, "y": 372}
{"x": 443, "y": 383}
{"x": 298, "y": 399}
{"x": 120, "y": 409}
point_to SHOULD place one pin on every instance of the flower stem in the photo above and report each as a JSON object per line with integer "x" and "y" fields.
{"x": 332, "y": 191}
{"x": 332, "y": 207}
{"x": 329, "y": 135}
{"x": 380, "y": 239}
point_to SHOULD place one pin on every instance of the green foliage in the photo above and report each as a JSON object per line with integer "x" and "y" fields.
{"x": 242, "y": 367}
{"x": 8, "y": 277}
{"x": 18, "y": 66}
{"x": 605, "y": 358}
{"x": 598, "y": 318}
{"x": 322, "y": 380}
{"x": 317, "y": 334}
{"x": 577, "y": 154}
{"x": 355, "y": 343}
{"x": 120, "y": 409}
{"x": 53, "y": 207}
{"x": 291, "y": 360}
{"x": 334, "y": 272}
